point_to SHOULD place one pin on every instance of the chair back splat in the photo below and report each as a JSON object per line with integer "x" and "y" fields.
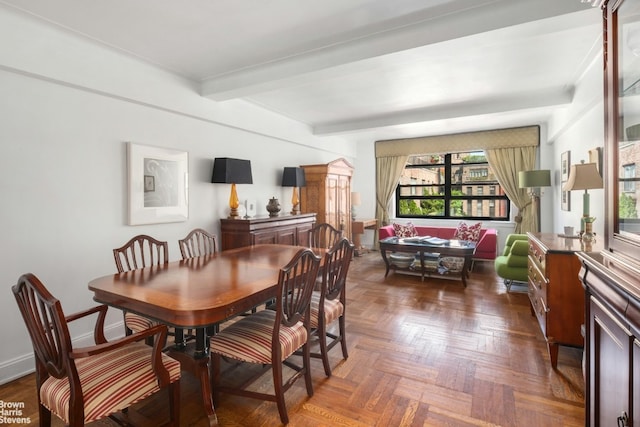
{"x": 78, "y": 385}
{"x": 324, "y": 236}
{"x": 197, "y": 243}
{"x": 139, "y": 252}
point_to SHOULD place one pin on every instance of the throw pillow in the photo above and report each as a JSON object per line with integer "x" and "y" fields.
{"x": 470, "y": 233}
{"x": 405, "y": 230}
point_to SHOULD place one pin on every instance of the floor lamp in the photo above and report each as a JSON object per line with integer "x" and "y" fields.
{"x": 585, "y": 177}
{"x": 534, "y": 180}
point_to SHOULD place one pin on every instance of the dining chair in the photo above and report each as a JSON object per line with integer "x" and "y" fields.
{"x": 329, "y": 303}
{"x": 269, "y": 337}
{"x": 82, "y": 385}
{"x": 139, "y": 252}
{"x": 324, "y": 236}
{"x": 197, "y": 243}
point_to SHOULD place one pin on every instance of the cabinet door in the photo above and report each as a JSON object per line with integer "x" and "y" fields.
{"x": 302, "y": 234}
{"x": 287, "y": 236}
{"x": 265, "y": 237}
{"x": 610, "y": 359}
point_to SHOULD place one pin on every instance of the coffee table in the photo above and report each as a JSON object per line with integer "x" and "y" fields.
{"x": 424, "y": 245}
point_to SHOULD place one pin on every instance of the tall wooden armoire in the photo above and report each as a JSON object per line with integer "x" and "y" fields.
{"x": 328, "y": 194}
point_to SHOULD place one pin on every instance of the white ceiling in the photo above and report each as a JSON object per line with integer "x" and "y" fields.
{"x": 360, "y": 69}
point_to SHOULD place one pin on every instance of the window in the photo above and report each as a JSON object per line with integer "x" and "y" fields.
{"x": 629, "y": 171}
{"x": 457, "y": 185}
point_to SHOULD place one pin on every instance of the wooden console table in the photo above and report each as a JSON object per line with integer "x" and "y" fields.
{"x": 357, "y": 230}
{"x": 283, "y": 229}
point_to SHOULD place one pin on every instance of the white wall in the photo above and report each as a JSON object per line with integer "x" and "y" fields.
{"x": 68, "y": 107}
{"x": 578, "y": 129}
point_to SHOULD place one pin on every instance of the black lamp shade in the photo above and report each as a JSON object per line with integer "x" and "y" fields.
{"x": 293, "y": 177}
{"x": 231, "y": 171}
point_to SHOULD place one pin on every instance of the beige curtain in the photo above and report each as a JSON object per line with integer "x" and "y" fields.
{"x": 506, "y": 163}
{"x": 388, "y": 171}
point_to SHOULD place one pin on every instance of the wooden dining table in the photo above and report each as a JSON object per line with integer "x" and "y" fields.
{"x": 198, "y": 294}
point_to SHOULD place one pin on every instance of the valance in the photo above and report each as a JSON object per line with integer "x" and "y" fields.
{"x": 482, "y": 140}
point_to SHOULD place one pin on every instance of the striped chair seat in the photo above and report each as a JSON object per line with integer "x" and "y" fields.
{"x": 249, "y": 339}
{"x": 138, "y": 323}
{"x": 110, "y": 382}
{"x": 332, "y": 309}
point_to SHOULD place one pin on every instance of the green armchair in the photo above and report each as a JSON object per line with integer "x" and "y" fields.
{"x": 512, "y": 265}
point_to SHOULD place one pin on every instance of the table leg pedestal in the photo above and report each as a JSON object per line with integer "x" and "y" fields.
{"x": 195, "y": 359}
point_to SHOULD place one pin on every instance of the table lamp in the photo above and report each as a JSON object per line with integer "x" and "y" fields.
{"x": 533, "y": 180}
{"x": 232, "y": 171}
{"x": 294, "y": 177}
{"x": 585, "y": 177}
{"x": 355, "y": 201}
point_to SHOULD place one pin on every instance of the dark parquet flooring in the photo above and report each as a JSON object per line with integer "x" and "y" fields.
{"x": 429, "y": 353}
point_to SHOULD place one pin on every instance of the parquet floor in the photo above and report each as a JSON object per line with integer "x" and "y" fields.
{"x": 427, "y": 353}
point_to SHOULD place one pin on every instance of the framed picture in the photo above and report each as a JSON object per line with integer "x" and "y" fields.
{"x": 158, "y": 181}
{"x": 565, "y": 165}
{"x": 565, "y": 201}
{"x": 250, "y": 207}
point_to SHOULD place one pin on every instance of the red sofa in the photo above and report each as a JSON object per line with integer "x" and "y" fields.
{"x": 486, "y": 248}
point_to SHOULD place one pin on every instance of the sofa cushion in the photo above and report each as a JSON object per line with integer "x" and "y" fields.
{"x": 470, "y": 233}
{"x": 407, "y": 230}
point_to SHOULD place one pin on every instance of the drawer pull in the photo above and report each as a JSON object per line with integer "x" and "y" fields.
{"x": 545, "y": 309}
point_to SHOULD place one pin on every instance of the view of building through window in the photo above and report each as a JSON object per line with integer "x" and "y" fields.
{"x": 458, "y": 185}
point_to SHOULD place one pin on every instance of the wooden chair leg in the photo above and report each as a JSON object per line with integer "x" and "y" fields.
{"x": 306, "y": 363}
{"x": 45, "y": 416}
{"x": 276, "y": 369}
{"x": 324, "y": 351}
{"x": 343, "y": 336}
{"x": 174, "y": 403}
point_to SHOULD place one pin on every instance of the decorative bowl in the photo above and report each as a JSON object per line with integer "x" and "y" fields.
{"x": 401, "y": 260}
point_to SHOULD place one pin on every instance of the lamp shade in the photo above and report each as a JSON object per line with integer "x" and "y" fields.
{"x": 539, "y": 178}
{"x": 231, "y": 171}
{"x": 355, "y": 199}
{"x": 293, "y": 177}
{"x": 584, "y": 176}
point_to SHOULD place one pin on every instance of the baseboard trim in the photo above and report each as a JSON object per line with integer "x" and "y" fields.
{"x": 24, "y": 365}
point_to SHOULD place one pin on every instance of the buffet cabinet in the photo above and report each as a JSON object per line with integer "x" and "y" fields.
{"x": 613, "y": 330}
{"x": 284, "y": 229}
{"x": 555, "y": 292}
{"x": 328, "y": 193}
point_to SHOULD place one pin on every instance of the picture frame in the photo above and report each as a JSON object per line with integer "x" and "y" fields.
{"x": 565, "y": 167}
{"x": 158, "y": 184}
{"x": 250, "y": 208}
{"x": 565, "y": 200}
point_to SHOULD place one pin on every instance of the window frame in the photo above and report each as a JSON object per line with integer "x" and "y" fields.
{"x": 446, "y": 163}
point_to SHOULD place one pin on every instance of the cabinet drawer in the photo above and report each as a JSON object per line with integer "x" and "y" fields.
{"x": 538, "y": 305}
{"x": 537, "y": 278}
{"x": 538, "y": 255}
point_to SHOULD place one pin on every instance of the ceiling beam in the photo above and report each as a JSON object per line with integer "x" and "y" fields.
{"x": 509, "y": 103}
{"x": 306, "y": 67}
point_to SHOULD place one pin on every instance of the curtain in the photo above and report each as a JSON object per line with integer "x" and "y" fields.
{"x": 388, "y": 171}
{"x": 506, "y": 163}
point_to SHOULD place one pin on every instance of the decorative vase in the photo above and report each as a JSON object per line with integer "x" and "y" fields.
{"x": 588, "y": 235}
{"x": 273, "y": 207}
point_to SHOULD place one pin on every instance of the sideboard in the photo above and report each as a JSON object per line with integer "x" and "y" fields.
{"x": 283, "y": 229}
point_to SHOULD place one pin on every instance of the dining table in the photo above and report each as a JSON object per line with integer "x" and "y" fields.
{"x": 198, "y": 294}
